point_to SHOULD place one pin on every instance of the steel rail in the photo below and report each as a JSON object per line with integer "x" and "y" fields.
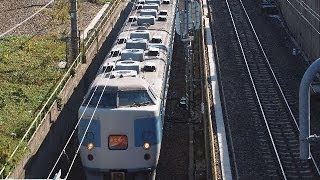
{"x": 275, "y": 78}
{"x": 256, "y": 92}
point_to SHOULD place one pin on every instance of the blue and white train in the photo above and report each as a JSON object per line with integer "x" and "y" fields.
{"x": 125, "y": 103}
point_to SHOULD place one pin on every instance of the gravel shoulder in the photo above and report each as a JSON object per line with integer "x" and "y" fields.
{"x": 53, "y": 21}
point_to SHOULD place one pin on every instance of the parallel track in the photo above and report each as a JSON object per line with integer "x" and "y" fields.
{"x": 273, "y": 112}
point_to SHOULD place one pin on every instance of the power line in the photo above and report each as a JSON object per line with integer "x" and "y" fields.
{"x": 84, "y": 134}
{"x": 17, "y": 25}
{"x": 303, "y": 17}
{"x": 315, "y": 13}
{"x": 75, "y": 128}
{"x": 70, "y": 137}
{"x": 309, "y": 9}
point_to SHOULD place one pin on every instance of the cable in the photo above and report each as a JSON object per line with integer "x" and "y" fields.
{"x": 315, "y": 13}
{"x": 70, "y": 137}
{"x": 14, "y": 27}
{"x": 303, "y": 17}
{"x": 310, "y": 10}
{"x": 75, "y": 128}
{"x": 84, "y": 134}
{"x": 82, "y": 139}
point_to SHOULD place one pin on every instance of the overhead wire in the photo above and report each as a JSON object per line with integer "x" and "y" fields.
{"x": 315, "y": 13}
{"x": 84, "y": 134}
{"x": 78, "y": 149}
{"x": 27, "y": 19}
{"x": 303, "y": 17}
{"x": 87, "y": 128}
{"x": 75, "y": 128}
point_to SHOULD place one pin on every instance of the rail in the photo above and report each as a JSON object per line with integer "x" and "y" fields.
{"x": 277, "y": 85}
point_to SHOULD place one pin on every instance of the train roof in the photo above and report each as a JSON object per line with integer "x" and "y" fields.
{"x": 142, "y": 51}
{"x": 117, "y": 83}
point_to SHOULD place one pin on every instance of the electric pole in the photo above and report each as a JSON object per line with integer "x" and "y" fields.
{"x": 74, "y": 30}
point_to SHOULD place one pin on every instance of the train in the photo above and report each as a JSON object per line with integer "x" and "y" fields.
{"x": 122, "y": 115}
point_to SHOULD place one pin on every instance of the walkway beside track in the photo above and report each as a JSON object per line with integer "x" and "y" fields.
{"x": 221, "y": 134}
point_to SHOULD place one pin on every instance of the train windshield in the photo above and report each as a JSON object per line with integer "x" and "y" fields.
{"x": 134, "y": 98}
{"x": 113, "y": 99}
{"x": 108, "y": 99}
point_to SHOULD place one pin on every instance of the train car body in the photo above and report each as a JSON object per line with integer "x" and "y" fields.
{"x": 121, "y": 117}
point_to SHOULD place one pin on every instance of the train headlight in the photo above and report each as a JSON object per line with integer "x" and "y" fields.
{"x": 90, "y": 146}
{"x": 146, "y": 146}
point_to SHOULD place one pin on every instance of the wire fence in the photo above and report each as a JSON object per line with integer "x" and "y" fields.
{"x": 54, "y": 98}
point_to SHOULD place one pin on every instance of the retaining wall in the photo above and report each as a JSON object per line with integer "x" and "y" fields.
{"x": 303, "y": 25}
{"x": 58, "y": 124}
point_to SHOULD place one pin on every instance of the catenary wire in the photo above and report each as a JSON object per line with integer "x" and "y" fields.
{"x": 303, "y": 17}
{"x": 75, "y": 128}
{"x": 27, "y": 19}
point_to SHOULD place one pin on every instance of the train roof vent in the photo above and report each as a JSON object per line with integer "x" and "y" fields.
{"x": 144, "y": 34}
{"x": 123, "y": 73}
{"x": 166, "y": 2}
{"x": 121, "y": 40}
{"x": 128, "y": 65}
{"x": 132, "y": 54}
{"x": 141, "y": 1}
{"x": 163, "y": 12}
{"x": 151, "y": 6}
{"x": 156, "y": 39}
{"x": 162, "y": 17}
{"x": 153, "y": 51}
{"x": 149, "y": 67}
{"x": 146, "y": 19}
{"x": 151, "y": 12}
{"x": 137, "y": 43}
{"x": 108, "y": 67}
{"x": 132, "y": 18}
{"x": 153, "y": 2}
{"x": 115, "y": 52}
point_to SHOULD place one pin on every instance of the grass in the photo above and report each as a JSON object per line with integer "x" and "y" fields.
{"x": 28, "y": 72}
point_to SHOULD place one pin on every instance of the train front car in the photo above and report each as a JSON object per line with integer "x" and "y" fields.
{"x": 125, "y": 103}
{"x": 123, "y": 139}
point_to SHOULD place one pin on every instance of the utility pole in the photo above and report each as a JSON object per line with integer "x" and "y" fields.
{"x": 74, "y": 30}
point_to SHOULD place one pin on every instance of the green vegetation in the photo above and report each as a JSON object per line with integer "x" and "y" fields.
{"x": 28, "y": 73}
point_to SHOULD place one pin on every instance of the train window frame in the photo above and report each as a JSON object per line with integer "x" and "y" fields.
{"x": 153, "y": 94}
{"x": 149, "y": 97}
{"x": 93, "y": 91}
{"x": 116, "y": 148}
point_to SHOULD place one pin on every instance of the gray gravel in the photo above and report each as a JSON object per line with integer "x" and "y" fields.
{"x": 13, "y": 12}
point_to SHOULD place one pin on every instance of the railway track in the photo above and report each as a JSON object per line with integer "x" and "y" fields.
{"x": 276, "y": 130}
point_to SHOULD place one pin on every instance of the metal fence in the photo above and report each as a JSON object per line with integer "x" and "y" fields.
{"x": 92, "y": 36}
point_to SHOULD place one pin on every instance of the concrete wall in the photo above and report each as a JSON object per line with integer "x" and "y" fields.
{"x": 303, "y": 24}
{"x": 58, "y": 124}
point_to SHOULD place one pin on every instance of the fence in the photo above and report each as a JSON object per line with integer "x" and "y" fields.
{"x": 54, "y": 103}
